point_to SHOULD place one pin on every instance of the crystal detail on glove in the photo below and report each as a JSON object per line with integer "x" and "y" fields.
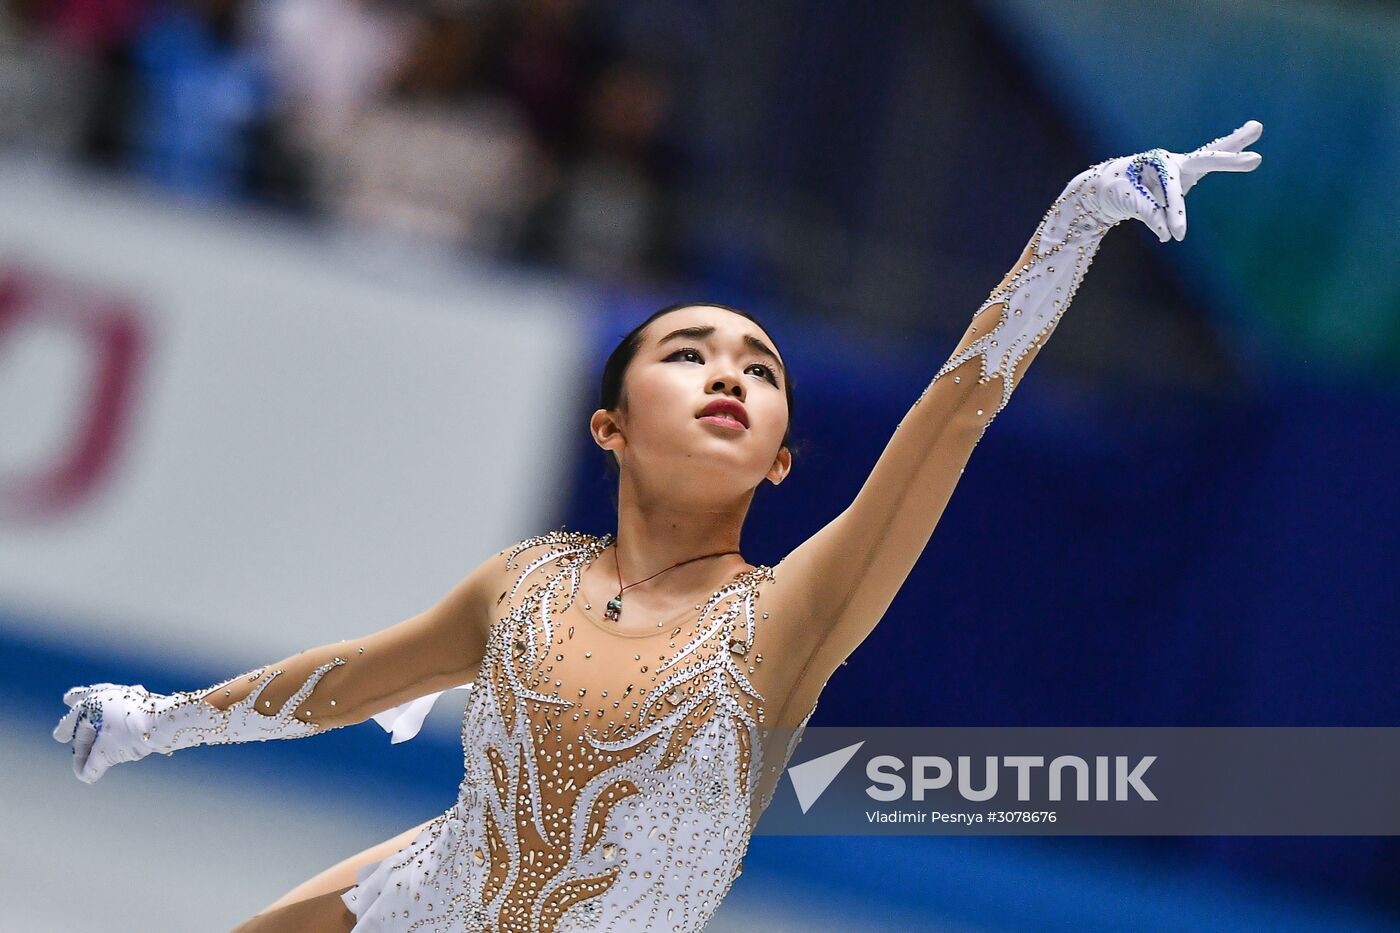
{"x": 1035, "y": 298}
{"x": 184, "y": 720}
{"x": 109, "y": 724}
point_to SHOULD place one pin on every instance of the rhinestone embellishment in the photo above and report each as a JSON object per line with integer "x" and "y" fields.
{"x": 607, "y": 779}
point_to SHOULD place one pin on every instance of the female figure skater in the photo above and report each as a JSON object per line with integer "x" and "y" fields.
{"x": 616, "y": 743}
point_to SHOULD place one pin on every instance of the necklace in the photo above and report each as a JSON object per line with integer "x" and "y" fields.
{"x": 614, "y": 608}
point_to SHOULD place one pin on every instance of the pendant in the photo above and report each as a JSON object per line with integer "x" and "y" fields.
{"x": 614, "y": 609}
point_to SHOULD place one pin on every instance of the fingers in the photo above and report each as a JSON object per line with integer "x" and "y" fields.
{"x": 1217, "y": 161}
{"x": 1175, "y": 209}
{"x": 83, "y": 738}
{"x": 95, "y": 766}
{"x": 63, "y": 732}
{"x": 74, "y": 697}
{"x": 1158, "y": 222}
{"x": 1157, "y": 192}
{"x": 1234, "y": 142}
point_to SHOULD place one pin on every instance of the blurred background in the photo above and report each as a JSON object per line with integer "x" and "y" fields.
{"x": 303, "y": 305}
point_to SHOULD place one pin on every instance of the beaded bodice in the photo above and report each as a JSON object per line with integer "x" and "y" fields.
{"x": 611, "y": 780}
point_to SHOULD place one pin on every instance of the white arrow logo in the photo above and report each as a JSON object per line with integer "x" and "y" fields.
{"x": 813, "y": 777}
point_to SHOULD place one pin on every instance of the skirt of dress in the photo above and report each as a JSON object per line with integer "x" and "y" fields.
{"x": 424, "y": 886}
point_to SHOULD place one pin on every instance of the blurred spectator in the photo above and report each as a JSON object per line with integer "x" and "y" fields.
{"x": 543, "y": 69}
{"x": 517, "y": 129}
{"x": 45, "y": 83}
{"x": 100, "y": 31}
{"x": 443, "y": 155}
{"x": 609, "y": 219}
{"x": 200, "y": 97}
{"x": 93, "y": 27}
{"x": 329, "y": 59}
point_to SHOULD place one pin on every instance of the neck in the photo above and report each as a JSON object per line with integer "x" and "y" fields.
{"x": 657, "y": 531}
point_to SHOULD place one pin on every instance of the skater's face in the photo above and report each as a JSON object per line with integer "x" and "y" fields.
{"x": 689, "y": 360}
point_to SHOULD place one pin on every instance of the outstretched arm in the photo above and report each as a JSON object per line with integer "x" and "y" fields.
{"x": 847, "y": 574}
{"x": 315, "y": 691}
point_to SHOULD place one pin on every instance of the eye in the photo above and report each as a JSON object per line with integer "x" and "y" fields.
{"x": 767, "y": 372}
{"x": 691, "y": 350}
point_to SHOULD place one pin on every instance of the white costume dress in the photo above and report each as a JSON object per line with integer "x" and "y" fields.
{"x": 611, "y": 780}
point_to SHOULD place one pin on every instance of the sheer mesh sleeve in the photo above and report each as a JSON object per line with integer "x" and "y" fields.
{"x": 394, "y": 676}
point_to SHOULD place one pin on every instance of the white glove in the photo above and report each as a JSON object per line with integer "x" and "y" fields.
{"x": 110, "y": 724}
{"x": 1149, "y": 186}
{"x": 111, "y": 714}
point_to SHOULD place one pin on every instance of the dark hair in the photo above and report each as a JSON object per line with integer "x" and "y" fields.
{"x": 615, "y": 369}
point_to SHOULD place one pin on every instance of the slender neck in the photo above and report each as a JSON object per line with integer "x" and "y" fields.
{"x": 656, "y": 531}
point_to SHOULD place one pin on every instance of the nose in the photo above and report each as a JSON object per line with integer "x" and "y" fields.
{"x": 728, "y": 385}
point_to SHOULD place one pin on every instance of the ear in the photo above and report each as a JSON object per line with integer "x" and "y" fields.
{"x": 606, "y": 431}
{"x": 782, "y": 465}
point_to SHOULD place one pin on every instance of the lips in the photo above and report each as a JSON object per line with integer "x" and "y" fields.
{"x": 720, "y": 410}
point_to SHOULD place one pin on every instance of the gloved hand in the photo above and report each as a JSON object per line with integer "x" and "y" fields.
{"x": 1149, "y": 186}
{"x": 110, "y": 724}
{"x": 106, "y": 724}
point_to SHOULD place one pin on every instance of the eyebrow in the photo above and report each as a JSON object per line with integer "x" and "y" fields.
{"x": 702, "y": 331}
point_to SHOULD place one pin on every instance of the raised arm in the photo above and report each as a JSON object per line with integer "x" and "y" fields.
{"x": 315, "y": 691}
{"x": 845, "y": 576}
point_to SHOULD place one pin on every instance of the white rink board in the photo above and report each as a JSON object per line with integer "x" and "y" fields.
{"x": 312, "y": 439}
